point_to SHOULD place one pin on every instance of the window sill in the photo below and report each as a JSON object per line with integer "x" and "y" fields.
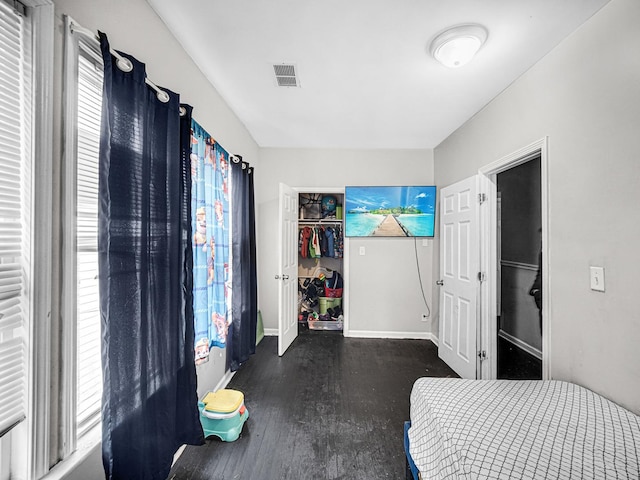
{"x": 87, "y": 446}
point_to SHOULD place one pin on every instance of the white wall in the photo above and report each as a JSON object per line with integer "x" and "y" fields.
{"x": 384, "y": 297}
{"x": 585, "y": 95}
{"x": 132, "y": 26}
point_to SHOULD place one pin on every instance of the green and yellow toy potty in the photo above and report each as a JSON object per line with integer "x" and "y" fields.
{"x": 223, "y": 414}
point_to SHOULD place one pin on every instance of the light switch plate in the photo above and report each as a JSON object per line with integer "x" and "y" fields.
{"x": 597, "y": 278}
{"x": 362, "y": 251}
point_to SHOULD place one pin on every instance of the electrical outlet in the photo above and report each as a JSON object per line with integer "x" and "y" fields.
{"x": 424, "y": 317}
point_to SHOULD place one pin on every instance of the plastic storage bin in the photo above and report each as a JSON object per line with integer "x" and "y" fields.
{"x": 325, "y": 324}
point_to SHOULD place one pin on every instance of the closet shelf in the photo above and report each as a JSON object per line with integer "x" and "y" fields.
{"x": 319, "y": 222}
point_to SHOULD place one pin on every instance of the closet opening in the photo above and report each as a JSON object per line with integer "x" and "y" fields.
{"x": 321, "y": 287}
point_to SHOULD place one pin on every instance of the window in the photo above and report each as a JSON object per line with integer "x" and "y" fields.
{"x": 89, "y": 378}
{"x": 26, "y": 56}
{"x": 81, "y": 308}
{"x": 15, "y": 215}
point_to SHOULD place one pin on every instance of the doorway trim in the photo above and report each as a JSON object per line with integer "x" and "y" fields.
{"x": 489, "y": 259}
{"x": 345, "y": 254}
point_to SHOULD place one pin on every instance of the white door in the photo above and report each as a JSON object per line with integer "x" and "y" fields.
{"x": 459, "y": 267}
{"x": 287, "y": 277}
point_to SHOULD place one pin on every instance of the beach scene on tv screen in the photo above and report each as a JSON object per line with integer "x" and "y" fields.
{"x": 390, "y": 211}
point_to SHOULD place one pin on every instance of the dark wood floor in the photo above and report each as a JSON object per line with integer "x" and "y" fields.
{"x": 330, "y": 408}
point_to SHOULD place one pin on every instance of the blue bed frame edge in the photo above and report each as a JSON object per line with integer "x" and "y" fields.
{"x": 411, "y": 471}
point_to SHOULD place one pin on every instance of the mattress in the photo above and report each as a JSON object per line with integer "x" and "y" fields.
{"x": 481, "y": 429}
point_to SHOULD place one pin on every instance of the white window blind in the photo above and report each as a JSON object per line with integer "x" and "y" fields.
{"x": 15, "y": 206}
{"x": 88, "y": 360}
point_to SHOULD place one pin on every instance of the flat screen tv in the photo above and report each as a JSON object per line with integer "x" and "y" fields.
{"x": 406, "y": 211}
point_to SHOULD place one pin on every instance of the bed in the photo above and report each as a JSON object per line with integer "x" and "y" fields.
{"x": 494, "y": 429}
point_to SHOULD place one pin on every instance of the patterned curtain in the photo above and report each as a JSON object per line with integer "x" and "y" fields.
{"x": 210, "y": 227}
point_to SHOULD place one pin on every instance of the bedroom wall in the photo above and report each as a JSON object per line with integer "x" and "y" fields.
{"x": 384, "y": 296}
{"x": 585, "y": 96}
{"x": 132, "y": 26}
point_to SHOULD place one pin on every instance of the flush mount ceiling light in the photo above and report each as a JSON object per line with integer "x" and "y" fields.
{"x": 457, "y": 45}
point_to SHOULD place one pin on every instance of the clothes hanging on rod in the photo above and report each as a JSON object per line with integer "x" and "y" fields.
{"x": 321, "y": 241}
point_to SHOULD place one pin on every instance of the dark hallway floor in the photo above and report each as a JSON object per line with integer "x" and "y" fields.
{"x": 330, "y": 408}
{"x": 516, "y": 364}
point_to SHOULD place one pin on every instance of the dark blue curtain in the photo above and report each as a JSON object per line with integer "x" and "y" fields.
{"x": 149, "y": 402}
{"x": 244, "y": 284}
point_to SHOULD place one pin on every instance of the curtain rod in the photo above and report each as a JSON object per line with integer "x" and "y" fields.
{"x": 123, "y": 63}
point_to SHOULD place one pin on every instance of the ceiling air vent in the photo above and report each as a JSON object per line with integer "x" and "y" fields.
{"x": 286, "y": 75}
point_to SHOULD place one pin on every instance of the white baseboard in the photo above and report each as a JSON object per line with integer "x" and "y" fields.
{"x": 224, "y": 381}
{"x": 435, "y": 340}
{"x": 179, "y": 452}
{"x": 273, "y": 332}
{"x": 520, "y": 344}
{"x": 379, "y": 334}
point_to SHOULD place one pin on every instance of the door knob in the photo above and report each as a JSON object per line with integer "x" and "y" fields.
{"x": 440, "y": 282}
{"x": 285, "y": 277}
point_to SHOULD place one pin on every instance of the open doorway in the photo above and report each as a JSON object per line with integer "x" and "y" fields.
{"x": 519, "y": 289}
{"x": 492, "y": 252}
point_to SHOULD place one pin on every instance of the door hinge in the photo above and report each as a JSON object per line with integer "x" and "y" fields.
{"x": 482, "y": 198}
{"x": 482, "y": 354}
{"x": 481, "y": 277}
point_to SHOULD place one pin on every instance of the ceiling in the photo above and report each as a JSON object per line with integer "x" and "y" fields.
{"x": 366, "y": 77}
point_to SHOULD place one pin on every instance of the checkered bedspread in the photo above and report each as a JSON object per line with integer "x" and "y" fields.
{"x": 495, "y": 429}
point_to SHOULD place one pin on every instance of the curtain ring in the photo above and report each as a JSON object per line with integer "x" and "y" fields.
{"x": 162, "y": 96}
{"x": 244, "y": 166}
{"x": 124, "y": 64}
{"x": 235, "y": 159}
{"x": 183, "y": 111}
